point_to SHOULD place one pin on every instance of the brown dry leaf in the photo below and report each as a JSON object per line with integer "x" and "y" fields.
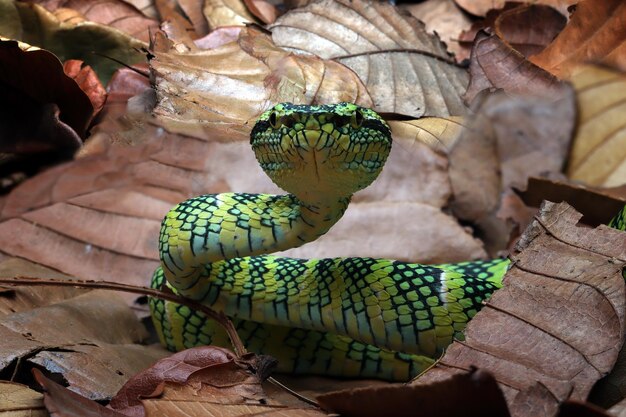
{"x": 405, "y": 69}
{"x": 94, "y": 349}
{"x": 233, "y": 84}
{"x": 475, "y": 393}
{"x": 88, "y": 81}
{"x": 17, "y": 400}
{"x": 61, "y": 402}
{"x": 507, "y": 140}
{"x": 16, "y": 299}
{"x": 39, "y": 113}
{"x": 446, "y": 19}
{"x": 193, "y": 11}
{"x": 529, "y": 28}
{"x": 598, "y": 205}
{"x": 598, "y": 155}
{"x": 595, "y": 33}
{"x": 563, "y": 277}
{"x": 481, "y": 7}
{"x": 494, "y": 64}
{"x": 117, "y": 14}
{"x": 263, "y": 10}
{"x": 220, "y": 13}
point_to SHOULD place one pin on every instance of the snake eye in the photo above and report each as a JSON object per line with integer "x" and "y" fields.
{"x": 274, "y": 120}
{"x": 357, "y": 119}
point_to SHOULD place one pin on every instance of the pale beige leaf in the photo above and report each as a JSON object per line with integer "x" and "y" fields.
{"x": 446, "y": 19}
{"x": 226, "y": 13}
{"x": 405, "y": 69}
{"x": 598, "y": 155}
{"x": 481, "y": 7}
{"x": 216, "y": 93}
{"x": 17, "y": 400}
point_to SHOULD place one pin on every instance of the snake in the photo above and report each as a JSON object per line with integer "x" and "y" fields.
{"x": 347, "y": 317}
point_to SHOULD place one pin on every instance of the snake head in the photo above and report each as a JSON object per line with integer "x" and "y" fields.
{"x": 321, "y": 152}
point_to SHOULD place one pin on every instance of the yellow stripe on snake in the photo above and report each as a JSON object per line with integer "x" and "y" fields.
{"x": 352, "y": 317}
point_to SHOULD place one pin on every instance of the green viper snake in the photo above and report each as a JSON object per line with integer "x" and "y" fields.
{"x": 352, "y": 317}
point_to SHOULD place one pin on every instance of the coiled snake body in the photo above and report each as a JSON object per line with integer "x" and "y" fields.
{"x": 341, "y": 316}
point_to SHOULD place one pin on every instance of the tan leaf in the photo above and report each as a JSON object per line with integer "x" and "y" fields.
{"x": 16, "y": 299}
{"x": 594, "y": 34}
{"x": 405, "y": 69}
{"x": 481, "y": 7}
{"x": 117, "y": 14}
{"x": 234, "y": 83}
{"x": 101, "y": 339}
{"x": 446, "y": 19}
{"x": 563, "y": 277}
{"x": 226, "y": 13}
{"x": 263, "y": 10}
{"x": 598, "y": 155}
{"x": 193, "y": 10}
{"x": 17, "y": 400}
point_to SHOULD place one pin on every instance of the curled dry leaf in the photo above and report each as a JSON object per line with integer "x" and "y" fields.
{"x": 594, "y": 34}
{"x": 406, "y": 70}
{"x": 540, "y": 334}
{"x": 263, "y": 10}
{"x": 88, "y": 81}
{"x": 117, "y": 14}
{"x": 90, "y": 42}
{"x": 598, "y": 155}
{"x": 475, "y": 393}
{"x": 215, "y": 93}
{"x": 226, "y": 13}
{"x": 48, "y": 113}
{"x": 529, "y": 28}
{"x": 494, "y": 64}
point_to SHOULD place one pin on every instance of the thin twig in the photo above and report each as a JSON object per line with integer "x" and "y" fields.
{"x": 292, "y": 392}
{"x": 221, "y": 318}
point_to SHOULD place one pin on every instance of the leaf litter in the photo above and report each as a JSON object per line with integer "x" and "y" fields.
{"x": 132, "y": 171}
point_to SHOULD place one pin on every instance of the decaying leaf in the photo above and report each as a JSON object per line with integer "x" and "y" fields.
{"x": 594, "y": 34}
{"x": 117, "y": 14}
{"x": 598, "y": 155}
{"x": 33, "y": 24}
{"x": 494, "y": 64}
{"x": 406, "y": 70}
{"x": 475, "y": 393}
{"x": 17, "y": 400}
{"x": 557, "y": 325}
{"x": 101, "y": 338}
{"x": 88, "y": 81}
{"x": 444, "y": 18}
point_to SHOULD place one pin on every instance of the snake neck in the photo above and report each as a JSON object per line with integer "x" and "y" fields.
{"x": 225, "y": 226}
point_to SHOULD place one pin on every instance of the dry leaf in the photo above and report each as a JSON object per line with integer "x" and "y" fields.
{"x": 539, "y": 335}
{"x": 405, "y": 69}
{"x": 263, "y": 10}
{"x": 101, "y": 338}
{"x": 465, "y": 394}
{"x": 529, "y": 28}
{"x": 481, "y": 7}
{"x": 42, "y": 113}
{"x": 88, "y": 81}
{"x": 90, "y": 42}
{"x": 598, "y": 155}
{"x": 594, "y": 34}
{"x": 17, "y": 400}
{"x": 446, "y": 19}
{"x": 193, "y": 11}
{"x": 117, "y": 14}
{"x": 493, "y": 64}
{"x": 220, "y": 13}
{"x": 233, "y": 84}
